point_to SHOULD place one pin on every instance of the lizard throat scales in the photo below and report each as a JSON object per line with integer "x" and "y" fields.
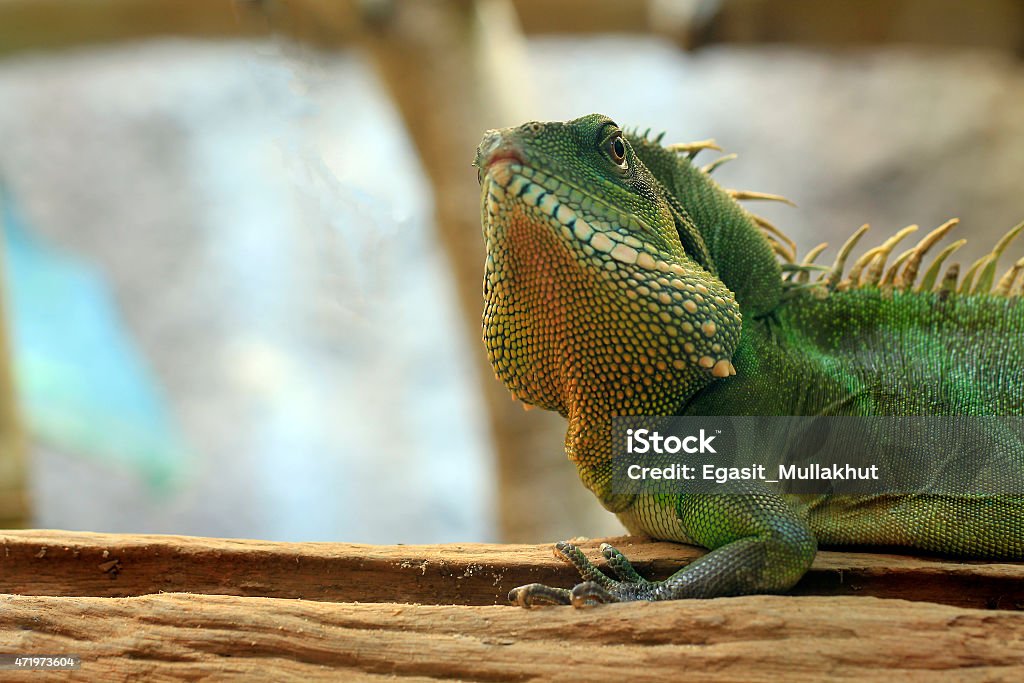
{"x": 580, "y": 312}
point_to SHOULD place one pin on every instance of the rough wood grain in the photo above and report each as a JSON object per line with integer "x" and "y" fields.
{"x": 759, "y": 638}
{"x": 61, "y": 563}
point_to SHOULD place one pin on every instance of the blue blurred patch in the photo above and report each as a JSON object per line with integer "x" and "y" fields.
{"x": 83, "y": 387}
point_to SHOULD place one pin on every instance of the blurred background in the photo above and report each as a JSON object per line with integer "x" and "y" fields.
{"x": 242, "y": 258}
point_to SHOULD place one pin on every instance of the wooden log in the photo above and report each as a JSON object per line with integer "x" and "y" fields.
{"x": 756, "y": 638}
{"x": 62, "y": 563}
{"x": 351, "y": 626}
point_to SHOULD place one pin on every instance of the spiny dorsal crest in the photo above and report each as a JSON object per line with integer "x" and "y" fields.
{"x": 781, "y": 244}
{"x": 869, "y": 270}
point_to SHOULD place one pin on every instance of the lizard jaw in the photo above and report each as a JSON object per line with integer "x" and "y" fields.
{"x": 697, "y": 314}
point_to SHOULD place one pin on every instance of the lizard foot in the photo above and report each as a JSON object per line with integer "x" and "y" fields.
{"x": 596, "y": 588}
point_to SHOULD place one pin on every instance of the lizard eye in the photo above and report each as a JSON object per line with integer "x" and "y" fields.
{"x": 617, "y": 150}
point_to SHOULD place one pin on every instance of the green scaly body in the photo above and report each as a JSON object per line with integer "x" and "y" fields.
{"x": 621, "y": 280}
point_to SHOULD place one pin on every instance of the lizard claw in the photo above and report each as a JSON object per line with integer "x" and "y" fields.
{"x": 590, "y": 593}
{"x": 537, "y": 594}
{"x": 596, "y": 588}
{"x": 620, "y": 566}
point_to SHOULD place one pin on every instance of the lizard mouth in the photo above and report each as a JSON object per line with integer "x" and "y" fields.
{"x": 494, "y": 153}
{"x": 508, "y": 178}
{"x": 504, "y": 154}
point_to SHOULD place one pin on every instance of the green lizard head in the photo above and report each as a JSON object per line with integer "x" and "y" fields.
{"x": 598, "y": 287}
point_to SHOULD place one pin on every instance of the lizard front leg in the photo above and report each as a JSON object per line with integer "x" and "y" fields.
{"x": 758, "y": 545}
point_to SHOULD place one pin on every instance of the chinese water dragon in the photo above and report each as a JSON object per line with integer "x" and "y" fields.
{"x": 622, "y": 280}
